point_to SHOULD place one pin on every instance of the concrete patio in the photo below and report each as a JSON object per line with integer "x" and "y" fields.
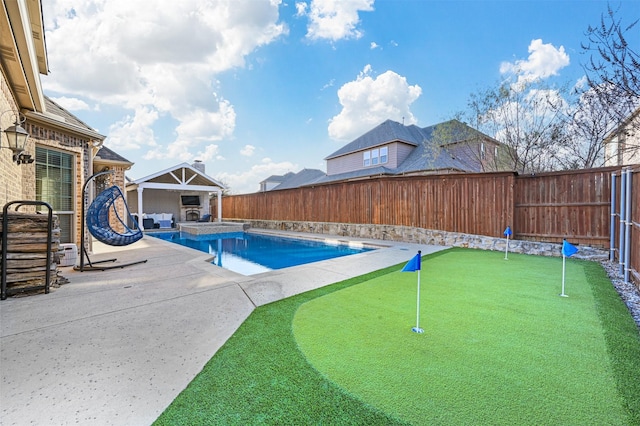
{"x": 116, "y": 347}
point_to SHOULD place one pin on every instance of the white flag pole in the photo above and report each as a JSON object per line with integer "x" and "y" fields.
{"x": 506, "y": 250}
{"x": 417, "y": 328}
{"x": 564, "y": 258}
{"x": 418, "y": 303}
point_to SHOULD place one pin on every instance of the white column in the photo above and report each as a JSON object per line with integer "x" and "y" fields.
{"x": 219, "y": 194}
{"x": 140, "y": 209}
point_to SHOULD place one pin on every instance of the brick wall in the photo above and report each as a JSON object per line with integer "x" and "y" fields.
{"x": 78, "y": 147}
{"x": 11, "y": 175}
{"x": 18, "y": 182}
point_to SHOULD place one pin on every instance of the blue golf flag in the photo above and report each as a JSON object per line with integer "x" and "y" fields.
{"x": 507, "y": 232}
{"x": 568, "y": 249}
{"x": 412, "y": 265}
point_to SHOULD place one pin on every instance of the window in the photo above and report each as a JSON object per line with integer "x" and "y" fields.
{"x": 366, "y": 158}
{"x": 482, "y": 152}
{"x": 375, "y": 156}
{"x": 54, "y": 186}
{"x": 384, "y": 155}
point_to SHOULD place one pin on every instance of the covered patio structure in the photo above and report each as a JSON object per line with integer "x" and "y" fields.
{"x": 178, "y": 194}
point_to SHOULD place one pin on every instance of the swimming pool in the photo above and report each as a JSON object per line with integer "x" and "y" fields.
{"x": 248, "y": 253}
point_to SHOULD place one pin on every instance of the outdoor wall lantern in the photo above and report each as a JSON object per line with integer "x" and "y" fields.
{"x": 17, "y": 138}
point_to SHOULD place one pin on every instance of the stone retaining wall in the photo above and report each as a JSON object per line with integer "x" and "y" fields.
{"x": 427, "y": 236}
{"x": 204, "y": 228}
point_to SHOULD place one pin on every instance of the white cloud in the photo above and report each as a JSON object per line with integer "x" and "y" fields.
{"x": 582, "y": 83}
{"x": 178, "y": 151}
{"x": 329, "y": 84}
{"x": 196, "y": 126}
{"x": 71, "y": 104}
{"x": 367, "y": 102}
{"x": 162, "y": 58}
{"x": 544, "y": 61}
{"x": 249, "y": 181}
{"x": 546, "y": 97}
{"x": 210, "y": 153}
{"x": 301, "y": 8}
{"x": 133, "y": 132}
{"x": 247, "y": 150}
{"x": 206, "y": 125}
{"x": 334, "y": 19}
{"x": 374, "y": 45}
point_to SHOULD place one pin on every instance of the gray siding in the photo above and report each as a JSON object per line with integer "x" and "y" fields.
{"x": 398, "y": 152}
{"x": 346, "y": 163}
{"x": 402, "y": 151}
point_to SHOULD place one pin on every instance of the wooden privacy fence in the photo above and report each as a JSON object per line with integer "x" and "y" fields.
{"x": 571, "y": 204}
{"x": 472, "y": 203}
{"x": 545, "y": 207}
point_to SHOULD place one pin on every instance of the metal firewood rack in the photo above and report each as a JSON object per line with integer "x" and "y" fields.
{"x": 4, "y": 291}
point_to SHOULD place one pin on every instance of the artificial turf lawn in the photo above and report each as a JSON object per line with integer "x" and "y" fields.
{"x": 500, "y": 347}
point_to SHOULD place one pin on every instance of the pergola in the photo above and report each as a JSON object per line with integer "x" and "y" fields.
{"x": 182, "y": 178}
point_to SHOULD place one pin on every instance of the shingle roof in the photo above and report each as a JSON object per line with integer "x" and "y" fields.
{"x": 302, "y": 178}
{"x": 108, "y": 155}
{"x": 56, "y": 109}
{"x": 277, "y": 178}
{"x": 388, "y": 131}
{"x": 431, "y": 156}
{"x": 439, "y": 147}
{"x": 391, "y": 131}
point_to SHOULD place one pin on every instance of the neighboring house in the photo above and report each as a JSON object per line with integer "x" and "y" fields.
{"x": 622, "y": 145}
{"x": 293, "y": 180}
{"x": 303, "y": 178}
{"x": 272, "y": 181}
{"x": 392, "y": 148}
{"x": 178, "y": 194}
{"x": 60, "y": 152}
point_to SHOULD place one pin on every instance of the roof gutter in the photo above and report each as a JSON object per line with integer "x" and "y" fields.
{"x": 58, "y": 122}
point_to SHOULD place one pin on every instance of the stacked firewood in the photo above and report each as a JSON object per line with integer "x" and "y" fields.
{"x": 27, "y": 251}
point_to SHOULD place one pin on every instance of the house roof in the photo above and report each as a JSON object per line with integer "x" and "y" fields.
{"x": 437, "y": 148}
{"x": 55, "y": 115}
{"x": 54, "y": 108}
{"x": 108, "y": 156}
{"x": 388, "y": 131}
{"x": 277, "y": 178}
{"x": 182, "y": 177}
{"x": 24, "y": 51}
{"x": 302, "y": 178}
{"x": 446, "y": 133}
{"x": 431, "y": 156}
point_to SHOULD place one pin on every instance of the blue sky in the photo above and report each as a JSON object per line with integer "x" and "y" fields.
{"x": 254, "y": 88}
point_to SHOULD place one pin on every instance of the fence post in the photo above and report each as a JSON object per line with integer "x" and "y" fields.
{"x": 628, "y": 223}
{"x": 623, "y": 198}
{"x": 612, "y": 231}
{"x": 511, "y": 213}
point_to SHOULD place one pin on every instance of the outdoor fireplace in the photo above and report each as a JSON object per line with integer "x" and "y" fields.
{"x": 192, "y": 215}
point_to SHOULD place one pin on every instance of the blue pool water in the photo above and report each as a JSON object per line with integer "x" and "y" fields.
{"x": 249, "y": 254}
